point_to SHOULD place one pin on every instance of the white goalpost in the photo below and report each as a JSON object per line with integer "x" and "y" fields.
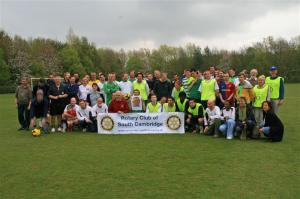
{"x": 35, "y": 80}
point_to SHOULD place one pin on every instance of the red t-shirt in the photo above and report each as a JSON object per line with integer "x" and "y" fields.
{"x": 230, "y": 89}
{"x": 116, "y": 106}
{"x": 72, "y": 112}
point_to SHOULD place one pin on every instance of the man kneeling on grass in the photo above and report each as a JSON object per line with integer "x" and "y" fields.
{"x": 228, "y": 120}
{"x": 245, "y": 120}
{"x": 154, "y": 106}
{"x": 39, "y": 110}
{"x": 194, "y": 117}
{"x": 70, "y": 115}
{"x": 84, "y": 115}
{"x": 100, "y": 107}
{"x": 212, "y": 119}
{"x": 170, "y": 105}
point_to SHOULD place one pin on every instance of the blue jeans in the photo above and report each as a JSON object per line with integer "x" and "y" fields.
{"x": 23, "y": 115}
{"x": 227, "y": 128}
{"x": 240, "y": 127}
{"x": 266, "y": 130}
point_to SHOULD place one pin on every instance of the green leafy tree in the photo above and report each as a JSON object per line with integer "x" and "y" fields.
{"x": 19, "y": 59}
{"x": 110, "y": 61}
{"x": 41, "y": 56}
{"x": 70, "y": 61}
{"x": 4, "y": 68}
{"x": 44, "y": 57}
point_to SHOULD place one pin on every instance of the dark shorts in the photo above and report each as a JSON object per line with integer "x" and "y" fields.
{"x": 57, "y": 108}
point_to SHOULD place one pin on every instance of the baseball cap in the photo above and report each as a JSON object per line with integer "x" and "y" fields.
{"x": 273, "y": 68}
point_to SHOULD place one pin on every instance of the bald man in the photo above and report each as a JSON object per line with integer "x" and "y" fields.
{"x": 118, "y": 104}
{"x": 212, "y": 119}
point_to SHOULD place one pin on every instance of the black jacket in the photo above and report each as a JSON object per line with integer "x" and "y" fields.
{"x": 162, "y": 89}
{"x": 275, "y": 124}
{"x": 44, "y": 87}
{"x": 249, "y": 114}
{"x": 39, "y": 109}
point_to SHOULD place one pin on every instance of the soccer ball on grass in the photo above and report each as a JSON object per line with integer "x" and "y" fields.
{"x": 36, "y": 132}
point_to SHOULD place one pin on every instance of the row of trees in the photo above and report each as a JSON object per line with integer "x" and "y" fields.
{"x": 40, "y": 56}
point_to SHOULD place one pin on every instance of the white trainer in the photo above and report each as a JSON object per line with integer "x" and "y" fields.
{"x": 53, "y": 130}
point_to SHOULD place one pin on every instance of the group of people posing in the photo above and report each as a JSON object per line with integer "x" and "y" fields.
{"x": 215, "y": 102}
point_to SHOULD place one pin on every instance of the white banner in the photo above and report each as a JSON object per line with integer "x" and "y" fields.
{"x": 140, "y": 123}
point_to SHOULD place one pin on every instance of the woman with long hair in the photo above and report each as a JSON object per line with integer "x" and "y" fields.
{"x": 273, "y": 127}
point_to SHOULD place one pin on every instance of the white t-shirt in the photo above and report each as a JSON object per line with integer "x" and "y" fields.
{"x": 83, "y": 114}
{"x": 100, "y": 85}
{"x": 212, "y": 115}
{"x": 84, "y": 91}
{"x": 228, "y": 113}
{"x": 126, "y": 87}
{"x": 96, "y": 109}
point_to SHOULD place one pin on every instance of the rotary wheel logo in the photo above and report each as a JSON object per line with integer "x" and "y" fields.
{"x": 174, "y": 122}
{"x": 107, "y": 123}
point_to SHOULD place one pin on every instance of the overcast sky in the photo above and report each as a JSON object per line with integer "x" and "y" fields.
{"x": 134, "y": 24}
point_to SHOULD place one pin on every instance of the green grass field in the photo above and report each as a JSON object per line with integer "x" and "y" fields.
{"x": 85, "y": 165}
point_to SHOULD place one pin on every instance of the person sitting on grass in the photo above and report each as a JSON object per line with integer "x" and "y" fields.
{"x": 273, "y": 127}
{"x": 69, "y": 115}
{"x": 118, "y": 104}
{"x": 39, "y": 110}
{"x": 228, "y": 118}
{"x": 170, "y": 105}
{"x": 84, "y": 115}
{"x": 182, "y": 103}
{"x": 244, "y": 119}
{"x": 212, "y": 119}
{"x": 137, "y": 104}
{"x": 153, "y": 106}
{"x": 100, "y": 107}
{"x": 194, "y": 117}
